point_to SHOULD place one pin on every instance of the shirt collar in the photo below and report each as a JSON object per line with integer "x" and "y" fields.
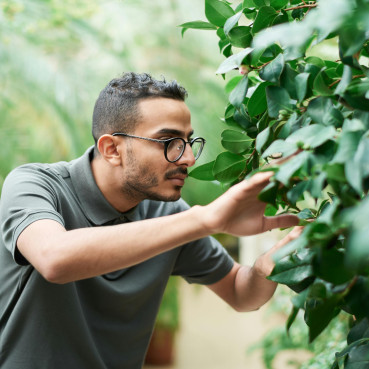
{"x": 97, "y": 209}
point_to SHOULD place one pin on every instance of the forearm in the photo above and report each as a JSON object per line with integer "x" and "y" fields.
{"x": 65, "y": 256}
{"x": 252, "y": 289}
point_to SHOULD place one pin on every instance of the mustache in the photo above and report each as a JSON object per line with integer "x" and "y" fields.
{"x": 174, "y": 172}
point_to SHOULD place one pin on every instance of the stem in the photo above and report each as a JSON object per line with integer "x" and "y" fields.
{"x": 244, "y": 172}
{"x": 339, "y": 80}
{"x": 302, "y": 6}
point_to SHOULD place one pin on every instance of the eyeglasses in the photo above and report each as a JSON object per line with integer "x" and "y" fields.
{"x": 173, "y": 147}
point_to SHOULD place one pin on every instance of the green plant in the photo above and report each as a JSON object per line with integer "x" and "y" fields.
{"x": 168, "y": 316}
{"x": 287, "y": 100}
{"x": 278, "y": 340}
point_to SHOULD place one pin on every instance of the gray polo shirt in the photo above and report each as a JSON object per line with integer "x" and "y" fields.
{"x": 103, "y": 322}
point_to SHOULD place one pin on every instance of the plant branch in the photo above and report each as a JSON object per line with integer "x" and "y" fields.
{"x": 302, "y": 6}
{"x": 339, "y": 80}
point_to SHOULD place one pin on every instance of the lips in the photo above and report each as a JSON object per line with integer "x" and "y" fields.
{"x": 177, "y": 181}
{"x": 177, "y": 177}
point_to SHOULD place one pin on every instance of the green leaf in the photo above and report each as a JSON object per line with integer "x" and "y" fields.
{"x": 356, "y": 301}
{"x": 262, "y": 139}
{"x": 312, "y": 136}
{"x": 347, "y": 146}
{"x": 264, "y": 18}
{"x": 296, "y": 192}
{"x": 273, "y": 70}
{"x": 240, "y": 36}
{"x": 243, "y": 119}
{"x": 318, "y": 314}
{"x": 258, "y": 103}
{"x": 292, "y": 276}
{"x": 239, "y": 93}
{"x": 361, "y": 156}
{"x": 354, "y": 176}
{"x": 358, "y": 357}
{"x": 203, "y": 172}
{"x": 217, "y": 12}
{"x": 269, "y": 193}
{"x": 329, "y": 265}
{"x": 280, "y": 147}
{"x": 301, "y": 81}
{"x": 316, "y": 185}
{"x": 278, "y": 4}
{"x": 197, "y": 25}
{"x": 277, "y": 99}
{"x": 231, "y": 22}
{"x": 351, "y": 40}
{"x": 357, "y": 168}
{"x": 357, "y": 248}
{"x": 321, "y": 85}
{"x": 248, "y": 4}
{"x": 260, "y": 3}
{"x": 358, "y": 331}
{"x": 297, "y": 244}
{"x": 287, "y": 80}
{"x": 287, "y": 170}
{"x": 234, "y": 61}
{"x": 293, "y": 269}
{"x": 315, "y": 61}
{"x": 317, "y": 108}
{"x": 232, "y": 83}
{"x": 228, "y": 167}
{"x": 235, "y": 141}
{"x": 345, "y": 80}
{"x": 335, "y": 172}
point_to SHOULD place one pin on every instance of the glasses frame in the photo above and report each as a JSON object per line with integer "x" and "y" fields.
{"x": 166, "y": 143}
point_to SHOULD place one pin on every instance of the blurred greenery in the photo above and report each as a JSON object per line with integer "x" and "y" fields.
{"x": 56, "y": 56}
{"x": 277, "y": 340}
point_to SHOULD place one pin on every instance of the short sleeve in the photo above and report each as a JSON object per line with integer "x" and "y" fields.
{"x": 27, "y": 196}
{"x": 203, "y": 261}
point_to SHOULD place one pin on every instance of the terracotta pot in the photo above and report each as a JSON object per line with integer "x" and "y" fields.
{"x": 161, "y": 348}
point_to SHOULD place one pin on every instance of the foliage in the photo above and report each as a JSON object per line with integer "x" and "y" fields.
{"x": 286, "y": 101}
{"x": 278, "y": 340}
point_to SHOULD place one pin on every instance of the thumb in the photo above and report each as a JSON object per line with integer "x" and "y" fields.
{"x": 280, "y": 221}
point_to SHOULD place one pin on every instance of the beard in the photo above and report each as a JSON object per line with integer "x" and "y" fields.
{"x": 141, "y": 183}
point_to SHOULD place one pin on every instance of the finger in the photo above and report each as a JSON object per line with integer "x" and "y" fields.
{"x": 260, "y": 178}
{"x": 295, "y": 233}
{"x": 258, "y": 181}
{"x": 280, "y": 221}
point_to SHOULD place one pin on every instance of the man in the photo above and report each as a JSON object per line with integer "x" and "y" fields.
{"x": 87, "y": 247}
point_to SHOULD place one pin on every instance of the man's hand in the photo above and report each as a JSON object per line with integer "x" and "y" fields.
{"x": 265, "y": 263}
{"x": 247, "y": 289}
{"x": 239, "y": 211}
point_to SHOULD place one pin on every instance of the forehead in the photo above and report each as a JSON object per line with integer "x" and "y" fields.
{"x": 156, "y": 114}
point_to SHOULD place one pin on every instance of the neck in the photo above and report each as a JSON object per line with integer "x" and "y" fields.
{"x": 107, "y": 179}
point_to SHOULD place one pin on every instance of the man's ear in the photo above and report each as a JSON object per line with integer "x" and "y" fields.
{"x": 108, "y": 148}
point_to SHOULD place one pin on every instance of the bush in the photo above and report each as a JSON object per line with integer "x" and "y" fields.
{"x": 285, "y": 100}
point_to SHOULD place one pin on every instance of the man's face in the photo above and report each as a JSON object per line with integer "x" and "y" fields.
{"x": 146, "y": 172}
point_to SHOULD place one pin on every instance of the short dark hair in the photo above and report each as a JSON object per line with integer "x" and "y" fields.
{"x": 116, "y": 108}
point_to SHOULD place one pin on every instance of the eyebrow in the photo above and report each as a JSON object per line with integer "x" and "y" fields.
{"x": 175, "y": 132}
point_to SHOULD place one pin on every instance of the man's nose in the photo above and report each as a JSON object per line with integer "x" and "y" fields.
{"x": 187, "y": 158}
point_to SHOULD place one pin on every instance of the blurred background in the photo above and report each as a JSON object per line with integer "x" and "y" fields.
{"x": 56, "y": 56}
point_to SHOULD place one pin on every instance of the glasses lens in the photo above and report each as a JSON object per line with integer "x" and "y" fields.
{"x": 175, "y": 149}
{"x": 197, "y": 146}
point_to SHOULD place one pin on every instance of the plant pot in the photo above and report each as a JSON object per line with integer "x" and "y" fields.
{"x": 161, "y": 347}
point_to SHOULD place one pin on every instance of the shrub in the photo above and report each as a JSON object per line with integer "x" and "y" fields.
{"x": 286, "y": 100}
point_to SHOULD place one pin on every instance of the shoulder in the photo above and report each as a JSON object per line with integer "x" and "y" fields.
{"x": 39, "y": 170}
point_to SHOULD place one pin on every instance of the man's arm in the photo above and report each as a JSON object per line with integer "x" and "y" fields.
{"x": 246, "y": 288}
{"x": 63, "y": 256}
